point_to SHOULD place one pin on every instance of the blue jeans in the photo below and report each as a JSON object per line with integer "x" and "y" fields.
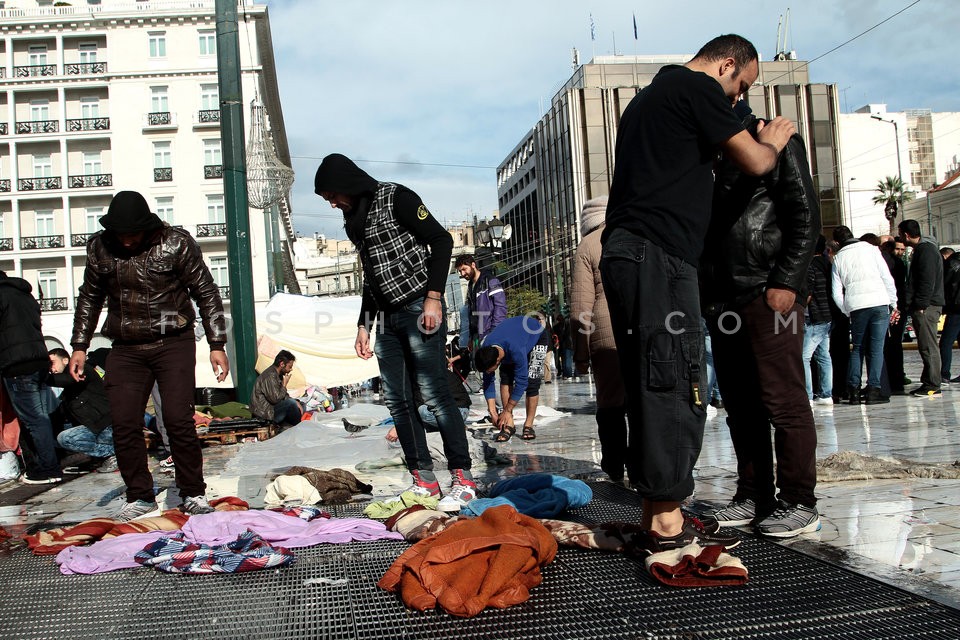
{"x": 287, "y": 411}
{"x": 430, "y": 421}
{"x": 816, "y": 344}
{"x": 949, "y": 335}
{"x": 712, "y": 389}
{"x": 868, "y": 331}
{"x": 32, "y": 403}
{"x": 83, "y": 440}
{"x": 408, "y": 356}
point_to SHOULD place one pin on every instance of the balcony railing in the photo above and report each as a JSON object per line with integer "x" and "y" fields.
{"x": 34, "y": 70}
{"x": 41, "y": 242}
{"x": 3, "y": 72}
{"x": 159, "y": 118}
{"x": 38, "y": 126}
{"x": 224, "y": 292}
{"x": 79, "y": 239}
{"x": 206, "y": 116}
{"x": 88, "y": 124}
{"x": 3, "y": 126}
{"x": 53, "y": 304}
{"x": 213, "y": 230}
{"x": 39, "y": 184}
{"x": 91, "y": 180}
{"x": 79, "y": 68}
{"x": 163, "y": 174}
{"x": 5, "y": 185}
{"x": 212, "y": 171}
{"x": 6, "y": 244}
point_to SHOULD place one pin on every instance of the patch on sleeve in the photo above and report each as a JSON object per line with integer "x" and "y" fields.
{"x": 422, "y": 212}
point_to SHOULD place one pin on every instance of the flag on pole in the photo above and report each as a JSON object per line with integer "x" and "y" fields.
{"x": 593, "y": 28}
{"x": 634, "y": 26}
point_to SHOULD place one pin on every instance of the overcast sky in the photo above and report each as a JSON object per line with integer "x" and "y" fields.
{"x": 435, "y": 94}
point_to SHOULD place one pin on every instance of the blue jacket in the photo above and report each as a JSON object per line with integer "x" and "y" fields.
{"x": 488, "y": 305}
{"x": 517, "y": 337}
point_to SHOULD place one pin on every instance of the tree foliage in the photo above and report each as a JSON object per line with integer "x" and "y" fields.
{"x": 523, "y": 300}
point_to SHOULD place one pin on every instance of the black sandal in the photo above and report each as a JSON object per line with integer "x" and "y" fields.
{"x": 528, "y": 433}
{"x": 505, "y": 434}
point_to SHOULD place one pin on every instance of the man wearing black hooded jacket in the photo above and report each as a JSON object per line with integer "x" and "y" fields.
{"x": 405, "y": 255}
{"x": 761, "y": 240}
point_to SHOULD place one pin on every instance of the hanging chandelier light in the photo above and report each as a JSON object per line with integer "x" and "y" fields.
{"x": 268, "y": 179}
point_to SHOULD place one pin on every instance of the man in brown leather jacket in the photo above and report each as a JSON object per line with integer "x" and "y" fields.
{"x": 147, "y": 272}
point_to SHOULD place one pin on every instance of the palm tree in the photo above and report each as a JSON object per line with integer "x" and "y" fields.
{"x": 891, "y": 194}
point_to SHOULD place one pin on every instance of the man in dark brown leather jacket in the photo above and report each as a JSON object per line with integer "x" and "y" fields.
{"x": 147, "y": 272}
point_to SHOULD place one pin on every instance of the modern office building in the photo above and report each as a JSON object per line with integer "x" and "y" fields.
{"x": 99, "y": 96}
{"x": 919, "y": 145}
{"x": 567, "y": 158}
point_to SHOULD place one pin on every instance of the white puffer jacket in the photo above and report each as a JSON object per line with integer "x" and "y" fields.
{"x": 861, "y": 278}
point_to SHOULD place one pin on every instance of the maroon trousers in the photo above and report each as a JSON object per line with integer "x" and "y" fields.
{"x": 131, "y": 372}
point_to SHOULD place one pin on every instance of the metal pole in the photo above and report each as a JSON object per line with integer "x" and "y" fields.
{"x": 235, "y": 197}
{"x": 896, "y": 137}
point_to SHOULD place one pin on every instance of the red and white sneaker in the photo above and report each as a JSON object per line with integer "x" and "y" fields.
{"x": 462, "y": 490}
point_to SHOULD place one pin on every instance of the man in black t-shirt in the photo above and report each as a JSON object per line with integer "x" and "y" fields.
{"x": 657, "y": 217}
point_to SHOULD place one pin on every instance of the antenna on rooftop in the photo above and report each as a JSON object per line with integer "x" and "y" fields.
{"x": 575, "y": 62}
{"x": 783, "y": 30}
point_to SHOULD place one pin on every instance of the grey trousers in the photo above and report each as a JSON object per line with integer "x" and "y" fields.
{"x": 925, "y": 324}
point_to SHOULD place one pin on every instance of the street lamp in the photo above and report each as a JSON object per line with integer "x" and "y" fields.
{"x": 896, "y": 138}
{"x": 850, "y": 203}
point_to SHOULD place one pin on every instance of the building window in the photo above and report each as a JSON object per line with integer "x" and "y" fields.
{"x": 92, "y": 164}
{"x": 218, "y": 269}
{"x": 43, "y": 219}
{"x": 42, "y": 166}
{"x": 208, "y": 42}
{"x": 209, "y": 97}
{"x": 39, "y": 110}
{"x": 165, "y": 209}
{"x": 47, "y": 282}
{"x": 90, "y": 107}
{"x": 88, "y": 52}
{"x": 162, "y": 157}
{"x": 158, "y": 44}
{"x": 37, "y": 55}
{"x": 211, "y": 152}
{"x": 216, "y": 212}
{"x": 158, "y": 100}
{"x": 92, "y": 218}
{"x": 2, "y": 234}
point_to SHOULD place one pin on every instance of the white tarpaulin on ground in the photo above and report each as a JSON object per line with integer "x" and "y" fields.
{"x": 321, "y": 333}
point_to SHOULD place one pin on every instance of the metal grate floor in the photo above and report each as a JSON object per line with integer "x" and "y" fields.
{"x": 584, "y": 595}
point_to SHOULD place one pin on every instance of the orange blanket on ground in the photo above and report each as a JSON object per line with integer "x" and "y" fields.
{"x": 52, "y": 541}
{"x": 490, "y": 561}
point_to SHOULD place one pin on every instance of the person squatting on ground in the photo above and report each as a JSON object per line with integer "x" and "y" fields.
{"x": 594, "y": 346}
{"x": 657, "y": 217}
{"x": 269, "y": 399}
{"x": 817, "y": 323}
{"x": 148, "y": 272}
{"x": 486, "y": 301}
{"x": 864, "y": 290}
{"x": 84, "y": 405}
{"x": 405, "y": 255}
{"x": 23, "y": 366}
{"x": 753, "y": 281}
{"x": 518, "y": 347}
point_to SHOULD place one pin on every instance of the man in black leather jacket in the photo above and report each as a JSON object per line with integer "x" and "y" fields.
{"x": 753, "y": 276}
{"x": 147, "y": 273}
{"x": 951, "y": 307}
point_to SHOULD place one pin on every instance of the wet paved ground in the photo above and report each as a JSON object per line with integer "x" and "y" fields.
{"x": 902, "y": 531}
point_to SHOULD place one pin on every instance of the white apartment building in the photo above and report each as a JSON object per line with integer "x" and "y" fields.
{"x": 929, "y": 149}
{"x": 100, "y": 96}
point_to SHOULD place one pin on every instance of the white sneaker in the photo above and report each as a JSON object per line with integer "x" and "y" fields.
{"x": 134, "y": 510}
{"x": 462, "y": 491}
{"x": 196, "y": 505}
{"x": 827, "y": 402}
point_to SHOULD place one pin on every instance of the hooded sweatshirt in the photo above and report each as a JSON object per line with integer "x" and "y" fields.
{"x": 339, "y": 174}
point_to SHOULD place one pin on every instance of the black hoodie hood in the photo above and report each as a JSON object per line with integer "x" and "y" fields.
{"x": 16, "y": 283}
{"x": 130, "y": 213}
{"x": 339, "y": 174}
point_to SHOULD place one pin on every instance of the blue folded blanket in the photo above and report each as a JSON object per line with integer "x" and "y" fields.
{"x": 538, "y": 495}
